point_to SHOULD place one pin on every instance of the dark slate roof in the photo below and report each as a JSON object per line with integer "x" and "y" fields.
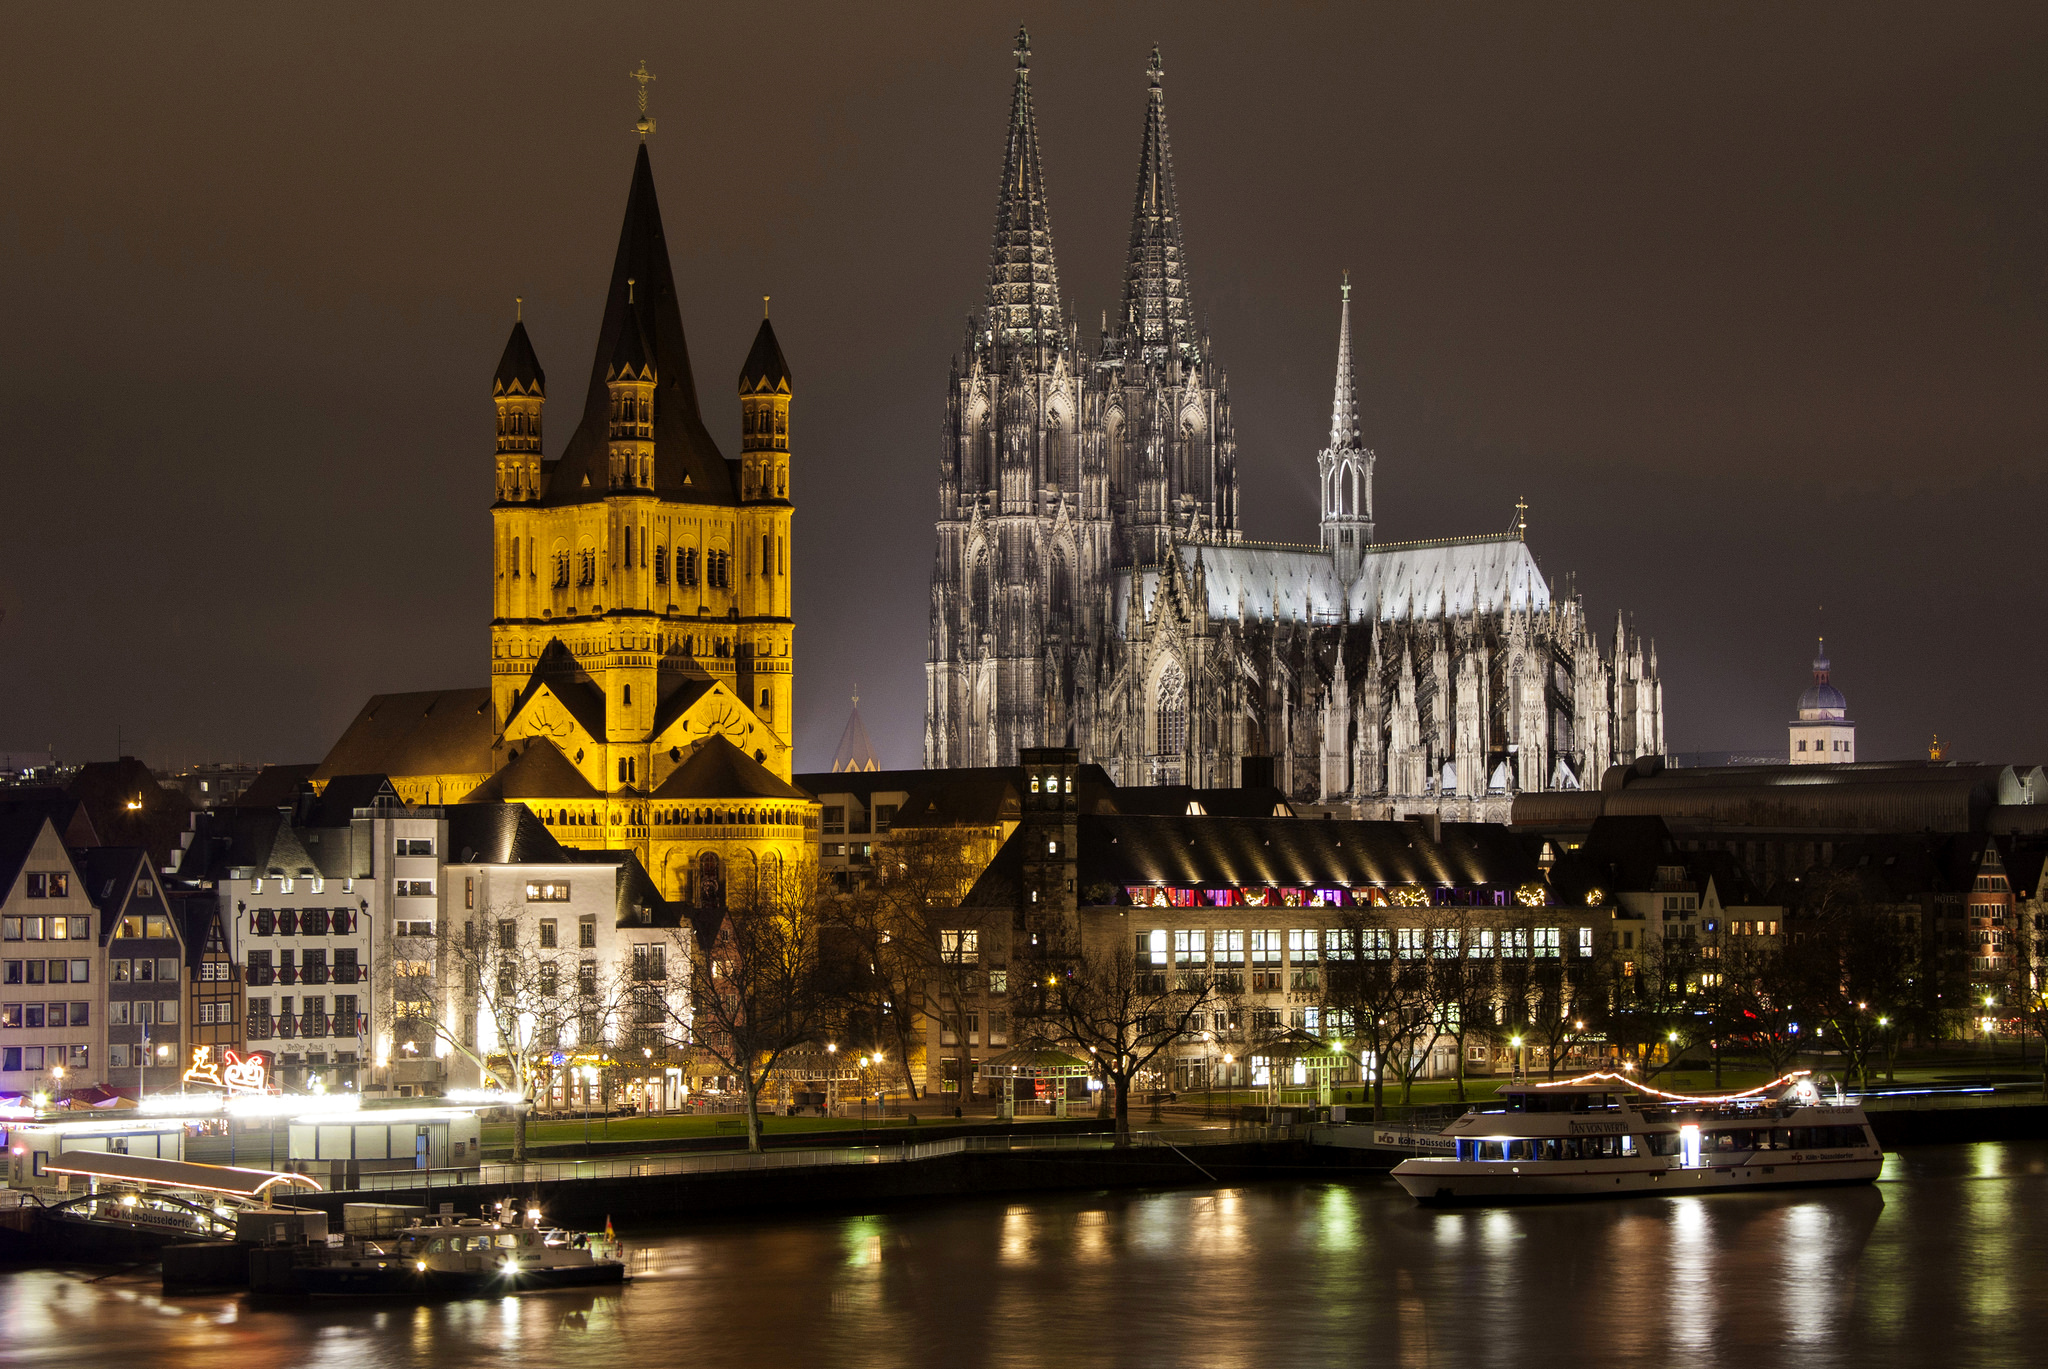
{"x": 276, "y": 786}
{"x": 1258, "y": 801}
{"x": 2024, "y": 860}
{"x": 1871, "y": 796}
{"x": 69, "y": 816}
{"x": 1619, "y": 855}
{"x": 688, "y": 466}
{"x": 540, "y": 771}
{"x": 519, "y": 371}
{"x": 765, "y": 368}
{"x": 106, "y": 874}
{"x": 558, "y": 669}
{"x": 866, "y": 783}
{"x": 19, "y": 829}
{"x": 984, "y": 796}
{"x": 1115, "y": 850}
{"x": 678, "y": 700}
{"x": 431, "y": 732}
{"x": 344, "y": 794}
{"x": 197, "y": 914}
{"x": 224, "y": 839}
{"x": 106, "y": 788}
{"x": 499, "y": 834}
{"x": 719, "y": 770}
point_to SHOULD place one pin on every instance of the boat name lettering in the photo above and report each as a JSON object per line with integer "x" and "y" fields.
{"x": 1597, "y": 1128}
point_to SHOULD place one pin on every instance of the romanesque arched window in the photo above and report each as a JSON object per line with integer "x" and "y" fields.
{"x": 710, "y": 881}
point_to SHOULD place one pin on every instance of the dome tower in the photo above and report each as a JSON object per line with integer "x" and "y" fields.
{"x": 1822, "y": 733}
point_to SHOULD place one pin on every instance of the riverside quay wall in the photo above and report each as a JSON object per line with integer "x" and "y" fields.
{"x": 629, "y": 1198}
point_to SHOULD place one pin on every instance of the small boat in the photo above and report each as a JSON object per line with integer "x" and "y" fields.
{"x": 1608, "y": 1136}
{"x": 466, "y": 1257}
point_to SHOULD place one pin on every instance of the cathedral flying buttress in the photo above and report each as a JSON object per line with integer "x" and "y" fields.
{"x": 1091, "y": 586}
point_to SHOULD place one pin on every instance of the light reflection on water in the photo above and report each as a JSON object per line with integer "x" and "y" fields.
{"x": 1935, "y": 1265}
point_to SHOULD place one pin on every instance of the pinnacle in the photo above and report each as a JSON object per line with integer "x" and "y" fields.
{"x": 1344, "y": 405}
{"x": 1157, "y": 300}
{"x": 1023, "y": 290}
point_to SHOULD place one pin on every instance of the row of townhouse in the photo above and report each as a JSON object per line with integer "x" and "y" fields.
{"x": 358, "y": 926}
{"x": 329, "y": 931}
{"x": 106, "y": 975}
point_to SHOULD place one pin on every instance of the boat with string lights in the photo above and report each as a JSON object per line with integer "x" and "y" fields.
{"x": 1610, "y": 1136}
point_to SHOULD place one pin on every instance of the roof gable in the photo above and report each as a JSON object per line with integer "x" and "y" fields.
{"x": 719, "y": 770}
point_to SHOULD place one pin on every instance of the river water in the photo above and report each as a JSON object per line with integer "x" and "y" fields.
{"x": 1943, "y": 1262}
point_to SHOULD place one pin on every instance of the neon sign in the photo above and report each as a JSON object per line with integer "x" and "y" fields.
{"x": 234, "y": 1073}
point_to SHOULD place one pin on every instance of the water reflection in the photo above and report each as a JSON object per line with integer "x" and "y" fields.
{"x": 1929, "y": 1266}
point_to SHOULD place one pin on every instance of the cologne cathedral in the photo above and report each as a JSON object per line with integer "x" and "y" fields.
{"x": 1091, "y": 585}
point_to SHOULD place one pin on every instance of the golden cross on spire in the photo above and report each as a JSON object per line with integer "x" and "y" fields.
{"x": 645, "y": 125}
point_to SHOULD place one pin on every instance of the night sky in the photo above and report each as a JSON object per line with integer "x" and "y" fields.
{"x": 1750, "y": 302}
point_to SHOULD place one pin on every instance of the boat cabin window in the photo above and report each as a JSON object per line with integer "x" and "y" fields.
{"x": 1535, "y": 1150}
{"x": 1559, "y": 1102}
{"x": 1742, "y": 1140}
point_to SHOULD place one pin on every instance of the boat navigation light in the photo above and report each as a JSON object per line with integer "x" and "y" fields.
{"x": 533, "y": 1214}
{"x": 420, "y": 1265}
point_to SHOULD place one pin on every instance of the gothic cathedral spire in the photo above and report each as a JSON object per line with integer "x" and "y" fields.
{"x": 1158, "y": 316}
{"x": 1023, "y": 283}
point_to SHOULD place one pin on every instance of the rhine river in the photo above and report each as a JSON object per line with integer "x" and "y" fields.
{"x": 1943, "y": 1262}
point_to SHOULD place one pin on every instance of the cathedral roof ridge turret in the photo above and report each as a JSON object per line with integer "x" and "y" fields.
{"x": 1344, "y": 406}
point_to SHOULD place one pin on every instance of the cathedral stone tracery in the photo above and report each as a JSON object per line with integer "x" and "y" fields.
{"x": 1091, "y": 586}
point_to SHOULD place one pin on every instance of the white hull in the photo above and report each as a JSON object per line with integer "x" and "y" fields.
{"x": 1433, "y": 1180}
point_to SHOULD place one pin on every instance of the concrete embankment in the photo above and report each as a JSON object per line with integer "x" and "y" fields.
{"x": 1938, "y": 1123}
{"x": 630, "y": 1199}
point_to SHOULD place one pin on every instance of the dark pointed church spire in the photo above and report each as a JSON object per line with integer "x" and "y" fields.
{"x": 1023, "y": 283}
{"x": 1156, "y": 300}
{"x": 519, "y": 371}
{"x": 641, "y": 309}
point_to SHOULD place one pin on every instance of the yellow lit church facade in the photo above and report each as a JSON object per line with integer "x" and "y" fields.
{"x": 641, "y": 627}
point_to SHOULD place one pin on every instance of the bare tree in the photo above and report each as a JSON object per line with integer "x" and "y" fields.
{"x": 1763, "y": 1006}
{"x": 506, "y": 999}
{"x": 1387, "y": 1002}
{"x": 758, "y": 987}
{"x": 896, "y": 927}
{"x": 1103, "y": 1000}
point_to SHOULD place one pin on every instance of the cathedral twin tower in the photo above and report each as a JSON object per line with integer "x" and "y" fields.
{"x": 1091, "y": 586}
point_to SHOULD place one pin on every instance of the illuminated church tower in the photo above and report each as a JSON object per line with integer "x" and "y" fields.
{"x": 641, "y": 630}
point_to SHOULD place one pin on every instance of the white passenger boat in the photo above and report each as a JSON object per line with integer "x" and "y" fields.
{"x": 1608, "y": 1136}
